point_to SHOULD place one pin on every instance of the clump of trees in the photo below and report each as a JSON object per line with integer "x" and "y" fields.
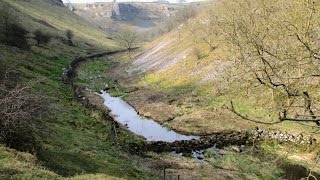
{"x": 274, "y": 47}
{"x": 280, "y": 52}
{"x": 276, "y": 44}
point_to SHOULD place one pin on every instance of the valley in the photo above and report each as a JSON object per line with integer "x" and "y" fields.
{"x": 158, "y": 90}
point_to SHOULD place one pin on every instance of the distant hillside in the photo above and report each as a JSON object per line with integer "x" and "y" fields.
{"x": 109, "y": 16}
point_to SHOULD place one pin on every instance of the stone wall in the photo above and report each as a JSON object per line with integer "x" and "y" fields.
{"x": 70, "y": 71}
{"x": 218, "y": 140}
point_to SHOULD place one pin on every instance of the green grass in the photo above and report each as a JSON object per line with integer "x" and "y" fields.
{"x": 78, "y": 143}
{"x": 19, "y": 165}
{"x": 248, "y": 165}
{"x": 91, "y": 74}
{"x": 61, "y": 19}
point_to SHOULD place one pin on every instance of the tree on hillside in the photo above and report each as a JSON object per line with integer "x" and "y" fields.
{"x": 207, "y": 32}
{"x": 275, "y": 43}
{"x": 183, "y": 15}
{"x": 186, "y": 13}
{"x": 69, "y": 35}
{"x": 170, "y": 24}
{"x": 128, "y": 39}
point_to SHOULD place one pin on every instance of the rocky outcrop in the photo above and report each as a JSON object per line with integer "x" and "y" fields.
{"x": 116, "y": 11}
{"x": 57, "y": 2}
{"x": 124, "y": 11}
{"x": 283, "y": 137}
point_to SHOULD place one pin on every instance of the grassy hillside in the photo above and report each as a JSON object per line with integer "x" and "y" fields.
{"x": 20, "y": 165}
{"x": 76, "y": 143}
{"x": 188, "y": 78}
{"x": 200, "y": 69}
{"x": 48, "y": 10}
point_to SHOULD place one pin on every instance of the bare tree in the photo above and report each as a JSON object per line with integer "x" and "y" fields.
{"x": 127, "y": 39}
{"x": 278, "y": 48}
{"x": 208, "y": 32}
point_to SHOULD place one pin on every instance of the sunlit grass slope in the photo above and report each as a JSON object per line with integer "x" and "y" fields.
{"x": 185, "y": 66}
{"x": 61, "y": 19}
{"x": 20, "y": 165}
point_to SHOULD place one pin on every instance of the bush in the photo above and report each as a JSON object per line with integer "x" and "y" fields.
{"x": 20, "y": 117}
{"x": 69, "y": 35}
{"x": 17, "y": 36}
{"x": 197, "y": 53}
{"x": 41, "y": 37}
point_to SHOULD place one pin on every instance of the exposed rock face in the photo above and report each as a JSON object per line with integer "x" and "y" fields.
{"x": 109, "y": 15}
{"x": 57, "y": 2}
{"x": 116, "y": 11}
{"x": 128, "y": 11}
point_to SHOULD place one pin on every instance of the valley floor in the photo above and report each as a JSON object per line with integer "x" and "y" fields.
{"x": 111, "y": 73}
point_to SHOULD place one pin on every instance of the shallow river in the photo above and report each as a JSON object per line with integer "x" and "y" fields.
{"x": 126, "y": 115}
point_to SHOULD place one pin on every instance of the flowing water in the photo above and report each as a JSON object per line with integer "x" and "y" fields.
{"x": 126, "y": 115}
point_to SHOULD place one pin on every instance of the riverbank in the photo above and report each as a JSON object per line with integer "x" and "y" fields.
{"x": 116, "y": 87}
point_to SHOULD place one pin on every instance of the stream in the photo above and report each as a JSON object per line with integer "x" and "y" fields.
{"x": 126, "y": 115}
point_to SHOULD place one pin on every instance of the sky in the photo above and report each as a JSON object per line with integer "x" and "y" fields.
{"x": 85, "y": 1}
{"x": 92, "y": 1}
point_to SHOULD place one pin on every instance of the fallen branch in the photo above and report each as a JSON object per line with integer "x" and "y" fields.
{"x": 232, "y": 109}
{"x": 283, "y": 118}
{"x": 299, "y": 120}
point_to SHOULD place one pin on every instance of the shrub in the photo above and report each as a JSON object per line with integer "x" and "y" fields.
{"x": 196, "y": 52}
{"x": 17, "y": 36}
{"x": 20, "y": 117}
{"x": 41, "y": 37}
{"x": 69, "y": 35}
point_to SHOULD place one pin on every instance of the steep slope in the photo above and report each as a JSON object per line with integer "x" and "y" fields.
{"x": 76, "y": 141}
{"x": 211, "y": 73}
{"x": 57, "y": 16}
{"x": 19, "y": 165}
{"x": 196, "y": 68}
